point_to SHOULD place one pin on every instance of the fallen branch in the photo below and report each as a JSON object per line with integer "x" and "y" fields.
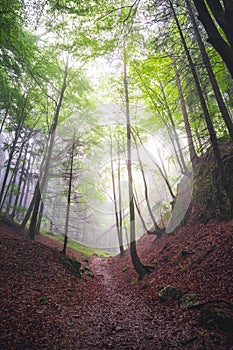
{"x": 199, "y": 305}
{"x": 196, "y": 263}
{"x": 188, "y": 341}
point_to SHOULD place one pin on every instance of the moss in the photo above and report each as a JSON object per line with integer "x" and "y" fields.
{"x": 208, "y": 191}
{"x": 188, "y": 300}
{"x": 168, "y": 293}
{"x": 84, "y": 249}
{"x": 71, "y": 264}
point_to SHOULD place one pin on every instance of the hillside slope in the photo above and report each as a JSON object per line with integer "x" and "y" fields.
{"x": 43, "y": 306}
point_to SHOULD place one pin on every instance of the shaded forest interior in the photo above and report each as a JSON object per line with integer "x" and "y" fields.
{"x": 116, "y": 166}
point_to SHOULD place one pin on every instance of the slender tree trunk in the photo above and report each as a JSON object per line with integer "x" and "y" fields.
{"x": 5, "y": 115}
{"x": 227, "y": 186}
{"x": 119, "y": 195}
{"x": 33, "y": 223}
{"x": 119, "y": 236}
{"x": 170, "y": 129}
{"x": 136, "y": 202}
{"x": 31, "y": 163}
{"x": 162, "y": 170}
{"x": 157, "y": 230}
{"x": 192, "y": 152}
{"x": 224, "y": 48}
{"x": 40, "y": 216}
{"x": 184, "y": 167}
{"x": 221, "y": 104}
{"x": 12, "y": 152}
{"x": 69, "y": 199}
{"x": 138, "y": 266}
{"x": 21, "y": 178}
{"x": 12, "y": 183}
{"x": 25, "y": 188}
{"x": 31, "y": 206}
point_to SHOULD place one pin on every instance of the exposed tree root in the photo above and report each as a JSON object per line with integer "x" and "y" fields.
{"x": 199, "y": 305}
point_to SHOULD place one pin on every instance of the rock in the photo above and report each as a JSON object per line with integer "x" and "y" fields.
{"x": 188, "y": 300}
{"x": 211, "y": 319}
{"x": 168, "y": 293}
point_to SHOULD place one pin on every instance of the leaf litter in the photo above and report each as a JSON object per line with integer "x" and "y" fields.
{"x": 44, "y": 306}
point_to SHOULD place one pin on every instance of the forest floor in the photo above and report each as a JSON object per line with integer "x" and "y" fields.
{"x": 44, "y": 306}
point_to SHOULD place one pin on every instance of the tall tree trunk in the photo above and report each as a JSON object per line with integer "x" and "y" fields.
{"x": 25, "y": 188}
{"x": 224, "y": 179}
{"x": 69, "y": 199}
{"x": 192, "y": 152}
{"x": 170, "y": 129}
{"x": 221, "y": 104}
{"x": 40, "y": 216}
{"x": 176, "y": 137}
{"x": 224, "y": 48}
{"x": 119, "y": 235}
{"x": 13, "y": 146}
{"x": 21, "y": 179}
{"x": 119, "y": 194}
{"x": 33, "y": 223}
{"x": 136, "y": 202}
{"x": 162, "y": 170}
{"x": 157, "y": 230}
{"x": 137, "y": 264}
{"x": 12, "y": 183}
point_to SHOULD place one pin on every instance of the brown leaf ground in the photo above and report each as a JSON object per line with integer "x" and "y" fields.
{"x": 43, "y": 306}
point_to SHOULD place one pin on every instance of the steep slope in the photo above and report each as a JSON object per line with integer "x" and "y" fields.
{"x": 43, "y": 306}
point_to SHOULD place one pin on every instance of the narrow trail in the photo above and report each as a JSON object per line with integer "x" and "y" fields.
{"x": 116, "y": 319}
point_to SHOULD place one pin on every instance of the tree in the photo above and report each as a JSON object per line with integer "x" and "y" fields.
{"x": 69, "y": 192}
{"x": 192, "y": 152}
{"x": 118, "y": 215}
{"x": 221, "y": 104}
{"x": 211, "y": 130}
{"x": 217, "y": 20}
{"x": 156, "y": 229}
{"x": 141, "y": 269}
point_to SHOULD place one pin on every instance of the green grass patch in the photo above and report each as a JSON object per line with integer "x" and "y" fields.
{"x": 84, "y": 249}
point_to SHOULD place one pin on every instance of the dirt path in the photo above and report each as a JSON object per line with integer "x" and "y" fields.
{"x": 43, "y": 306}
{"x": 122, "y": 321}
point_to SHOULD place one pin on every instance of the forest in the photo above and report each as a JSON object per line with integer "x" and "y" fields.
{"x": 116, "y": 160}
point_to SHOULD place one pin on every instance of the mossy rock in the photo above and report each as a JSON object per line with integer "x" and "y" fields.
{"x": 216, "y": 318}
{"x": 168, "y": 293}
{"x": 71, "y": 264}
{"x": 188, "y": 300}
{"x": 208, "y": 192}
